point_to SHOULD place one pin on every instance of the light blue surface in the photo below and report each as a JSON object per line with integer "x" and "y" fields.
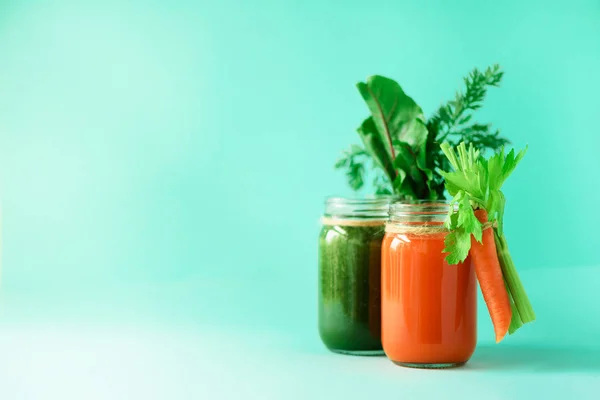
{"x": 162, "y": 171}
{"x": 217, "y": 339}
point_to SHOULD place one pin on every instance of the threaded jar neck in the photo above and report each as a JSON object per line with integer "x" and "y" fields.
{"x": 417, "y": 212}
{"x": 376, "y": 207}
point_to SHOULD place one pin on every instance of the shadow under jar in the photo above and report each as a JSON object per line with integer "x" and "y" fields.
{"x": 350, "y": 274}
{"x": 429, "y": 308}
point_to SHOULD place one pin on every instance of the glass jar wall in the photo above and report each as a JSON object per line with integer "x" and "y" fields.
{"x": 350, "y": 274}
{"x": 429, "y": 308}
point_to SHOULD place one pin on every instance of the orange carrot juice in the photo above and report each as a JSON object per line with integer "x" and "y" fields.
{"x": 429, "y": 308}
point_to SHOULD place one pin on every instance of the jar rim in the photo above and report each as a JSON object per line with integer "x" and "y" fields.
{"x": 416, "y": 206}
{"x": 358, "y": 207}
{"x": 370, "y": 199}
{"x": 416, "y": 211}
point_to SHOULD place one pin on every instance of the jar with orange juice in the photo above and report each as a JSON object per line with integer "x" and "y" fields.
{"x": 428, "y": 308}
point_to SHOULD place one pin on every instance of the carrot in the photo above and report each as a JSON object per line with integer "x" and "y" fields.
{"x": 491, "y": 281}
{"x": 476, "y": 196}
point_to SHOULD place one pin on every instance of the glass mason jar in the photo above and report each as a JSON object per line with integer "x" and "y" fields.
{"x": 349, "y": 274}
{"x": 429, "y": 308}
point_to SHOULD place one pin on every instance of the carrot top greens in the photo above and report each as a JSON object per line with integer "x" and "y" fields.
{"x": 401, "y": 149}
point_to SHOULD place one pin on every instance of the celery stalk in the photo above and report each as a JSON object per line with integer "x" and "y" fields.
{"x": 515, "y": 287}
{"x": 515, "y": 321}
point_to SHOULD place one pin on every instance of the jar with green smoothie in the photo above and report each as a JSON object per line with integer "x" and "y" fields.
{"x": 350, "y": 274}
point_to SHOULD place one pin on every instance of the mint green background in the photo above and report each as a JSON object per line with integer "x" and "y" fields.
{"x": 163, "y": 166}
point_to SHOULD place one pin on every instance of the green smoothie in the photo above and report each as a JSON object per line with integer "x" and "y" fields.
{"x": 349, "y": 287}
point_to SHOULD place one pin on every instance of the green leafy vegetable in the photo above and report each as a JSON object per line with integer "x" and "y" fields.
{"x": 475, "y": 183}
{"x": 357, "y": 161}
{"x": 401, "y": 148}
{"x": 375, "y": 143}
{"x": 396, "y": 116}
{"x": 351, "y": 159}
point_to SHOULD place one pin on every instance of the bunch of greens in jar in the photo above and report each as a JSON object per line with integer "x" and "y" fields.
{"x": 400, "y": 148}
